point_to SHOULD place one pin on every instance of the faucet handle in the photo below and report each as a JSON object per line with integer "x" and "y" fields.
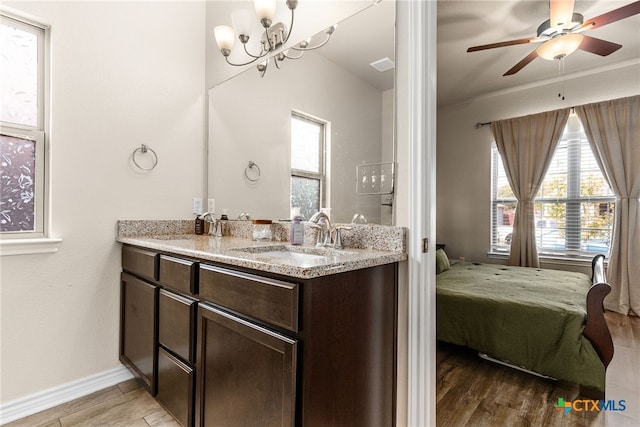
{"x": 338, "y": 240}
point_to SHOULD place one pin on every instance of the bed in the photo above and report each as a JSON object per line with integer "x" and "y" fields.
{"x": 546, "y": 321}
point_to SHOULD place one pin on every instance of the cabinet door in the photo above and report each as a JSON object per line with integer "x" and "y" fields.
{"x": 138, "y": 328}
{"x": 176, "y": 387}
{"x": 246, "y": 374}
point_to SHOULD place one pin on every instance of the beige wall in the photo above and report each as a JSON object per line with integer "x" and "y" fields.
{"x": 464, "y": 162}
{"x": 123, "y": 74}
{"x": 249, "y": 121}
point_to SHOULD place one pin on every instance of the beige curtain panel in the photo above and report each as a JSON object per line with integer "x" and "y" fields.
{"x": 613, "y": 131}
{"x": 526, "y": 145}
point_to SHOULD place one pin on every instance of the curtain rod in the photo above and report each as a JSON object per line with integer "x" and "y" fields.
{"x": 481, "y": 124}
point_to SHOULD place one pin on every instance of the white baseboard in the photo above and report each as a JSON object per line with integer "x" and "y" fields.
{"x": 55, "y": 396}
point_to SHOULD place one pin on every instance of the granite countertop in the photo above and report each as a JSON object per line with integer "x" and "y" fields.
{"x": 364, "y": 246}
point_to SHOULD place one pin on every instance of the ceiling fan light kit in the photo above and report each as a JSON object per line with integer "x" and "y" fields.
{"x": 560, "y": 46}
{"x": 561, "y": 34}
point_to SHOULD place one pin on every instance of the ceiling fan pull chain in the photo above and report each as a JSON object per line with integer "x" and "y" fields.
{"x": 561, "y": 72}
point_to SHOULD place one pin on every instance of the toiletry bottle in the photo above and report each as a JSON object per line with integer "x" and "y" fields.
{"x": 297, "y": 227}
{"x": 199, "y": 226}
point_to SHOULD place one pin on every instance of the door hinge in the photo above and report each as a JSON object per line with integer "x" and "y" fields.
{"x": 425, "y": 245}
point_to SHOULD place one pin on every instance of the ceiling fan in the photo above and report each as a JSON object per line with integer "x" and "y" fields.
{"x": 561, "y": 34}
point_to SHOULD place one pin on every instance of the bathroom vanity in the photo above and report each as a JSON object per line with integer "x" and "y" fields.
{"x": 230, "y": 332}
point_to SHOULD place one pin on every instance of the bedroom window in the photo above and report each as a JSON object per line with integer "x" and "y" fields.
{"x": 307, "y": 163}
{"x": 574, "y": 206}
{"x": 22, "y": 124}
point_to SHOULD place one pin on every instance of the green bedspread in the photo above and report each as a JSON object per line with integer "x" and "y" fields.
{"x": 529, "y": 317}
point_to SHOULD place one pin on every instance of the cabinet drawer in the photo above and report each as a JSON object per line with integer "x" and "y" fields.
{"x": 176, "y": 387}
{"x": 179, "y": 274}
{"x": 270, "y": 300}
{"x": 177, "y": 316}
{"x": 141, "y": 262}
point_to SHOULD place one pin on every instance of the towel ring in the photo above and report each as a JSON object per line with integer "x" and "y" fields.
{"x": 144, "y": 149}
{"x": 249, "y": 168}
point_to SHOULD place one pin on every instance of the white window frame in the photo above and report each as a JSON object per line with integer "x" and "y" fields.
{"x": 321, "y": 175}
{"x": 572, "y": 202}
{"x": 38, "y": 240}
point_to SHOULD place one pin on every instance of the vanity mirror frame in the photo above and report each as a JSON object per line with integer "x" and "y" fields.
{"x": 228, "y": 154}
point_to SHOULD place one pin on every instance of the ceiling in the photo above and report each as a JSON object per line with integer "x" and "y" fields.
{"x": 462, "y": 24}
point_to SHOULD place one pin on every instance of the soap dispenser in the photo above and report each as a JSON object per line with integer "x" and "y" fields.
{"x": 297, "y": 227}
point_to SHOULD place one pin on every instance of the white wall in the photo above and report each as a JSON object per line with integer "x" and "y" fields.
{"x": 123, "y": 74}
{"x": 249, "y": 121}
{"x": 464, "y": 165}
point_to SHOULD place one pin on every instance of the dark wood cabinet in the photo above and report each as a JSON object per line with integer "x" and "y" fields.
{"x": 247, "y": 373}
{"x": 230, "y": 346}
{"x": 138, "y": 333}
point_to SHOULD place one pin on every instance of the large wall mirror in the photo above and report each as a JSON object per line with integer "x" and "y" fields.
{"x": 251, "y": 117}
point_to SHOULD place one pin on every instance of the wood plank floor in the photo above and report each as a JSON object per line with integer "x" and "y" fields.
{"x": 124, "y": 405}
{"x": 470, "y": 392}
{"x": 473, "y": 392}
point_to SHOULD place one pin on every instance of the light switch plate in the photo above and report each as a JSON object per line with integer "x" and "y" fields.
{"x": 375, "y": 178}
{"x": 197, "y": 205}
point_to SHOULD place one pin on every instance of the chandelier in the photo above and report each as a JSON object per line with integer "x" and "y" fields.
{"x": 274, "y": 36}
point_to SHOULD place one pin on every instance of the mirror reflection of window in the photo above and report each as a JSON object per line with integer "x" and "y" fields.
{"x": 307, "y": 163}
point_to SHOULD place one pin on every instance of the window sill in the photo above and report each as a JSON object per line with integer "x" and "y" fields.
{"x": 29, "y": 246}
{"x": 551, "y": 259}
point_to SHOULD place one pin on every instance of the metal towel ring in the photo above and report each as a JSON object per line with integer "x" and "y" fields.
{"x": 251, "y": 166}
{"x": 144, "y": 149}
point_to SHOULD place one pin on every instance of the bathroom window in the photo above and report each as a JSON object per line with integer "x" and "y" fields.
{"x": 22, "y": 128}
{"x": 307, "y": 163}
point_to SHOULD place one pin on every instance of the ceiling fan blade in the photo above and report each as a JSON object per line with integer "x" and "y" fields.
{"x": 503, "y": 44}
{"x": 611, "y": 16}
{"x": 520, "y": 65}
{"x": 598, "y": 46}
{"x": 560, "y": 12}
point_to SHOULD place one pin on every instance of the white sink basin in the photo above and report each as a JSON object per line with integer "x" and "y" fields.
{"x": 297, "y": 256}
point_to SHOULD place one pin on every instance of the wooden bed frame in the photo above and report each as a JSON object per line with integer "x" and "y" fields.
{"x": 596, "y": 329}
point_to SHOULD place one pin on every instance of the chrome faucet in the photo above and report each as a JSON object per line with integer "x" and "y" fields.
{"x": 321, "y": 221}
{"x": 215, "y": 226}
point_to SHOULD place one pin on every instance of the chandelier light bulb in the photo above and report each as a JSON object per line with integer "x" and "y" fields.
{"x": 242, "y": 20}
{"x": 265, "y": 11}
{"x": 225, "y": 38}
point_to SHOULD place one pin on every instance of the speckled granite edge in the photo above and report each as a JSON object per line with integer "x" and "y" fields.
{"x": 366, "y": 236}
{"x": 135, "y": 227}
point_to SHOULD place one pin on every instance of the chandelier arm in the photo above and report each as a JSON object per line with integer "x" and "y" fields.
{"x": 290, "y": 27}
{"x": 293, "y": 57}
{"x": 302, "y": 49}
{"x": 242, "y": 64}
{"x": 252, "y": 55}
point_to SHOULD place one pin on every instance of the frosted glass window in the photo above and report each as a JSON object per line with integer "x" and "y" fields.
{"x": 17, "y": 177}
{"x": 22, "y": 126}
{"x": 20, "y": 65}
